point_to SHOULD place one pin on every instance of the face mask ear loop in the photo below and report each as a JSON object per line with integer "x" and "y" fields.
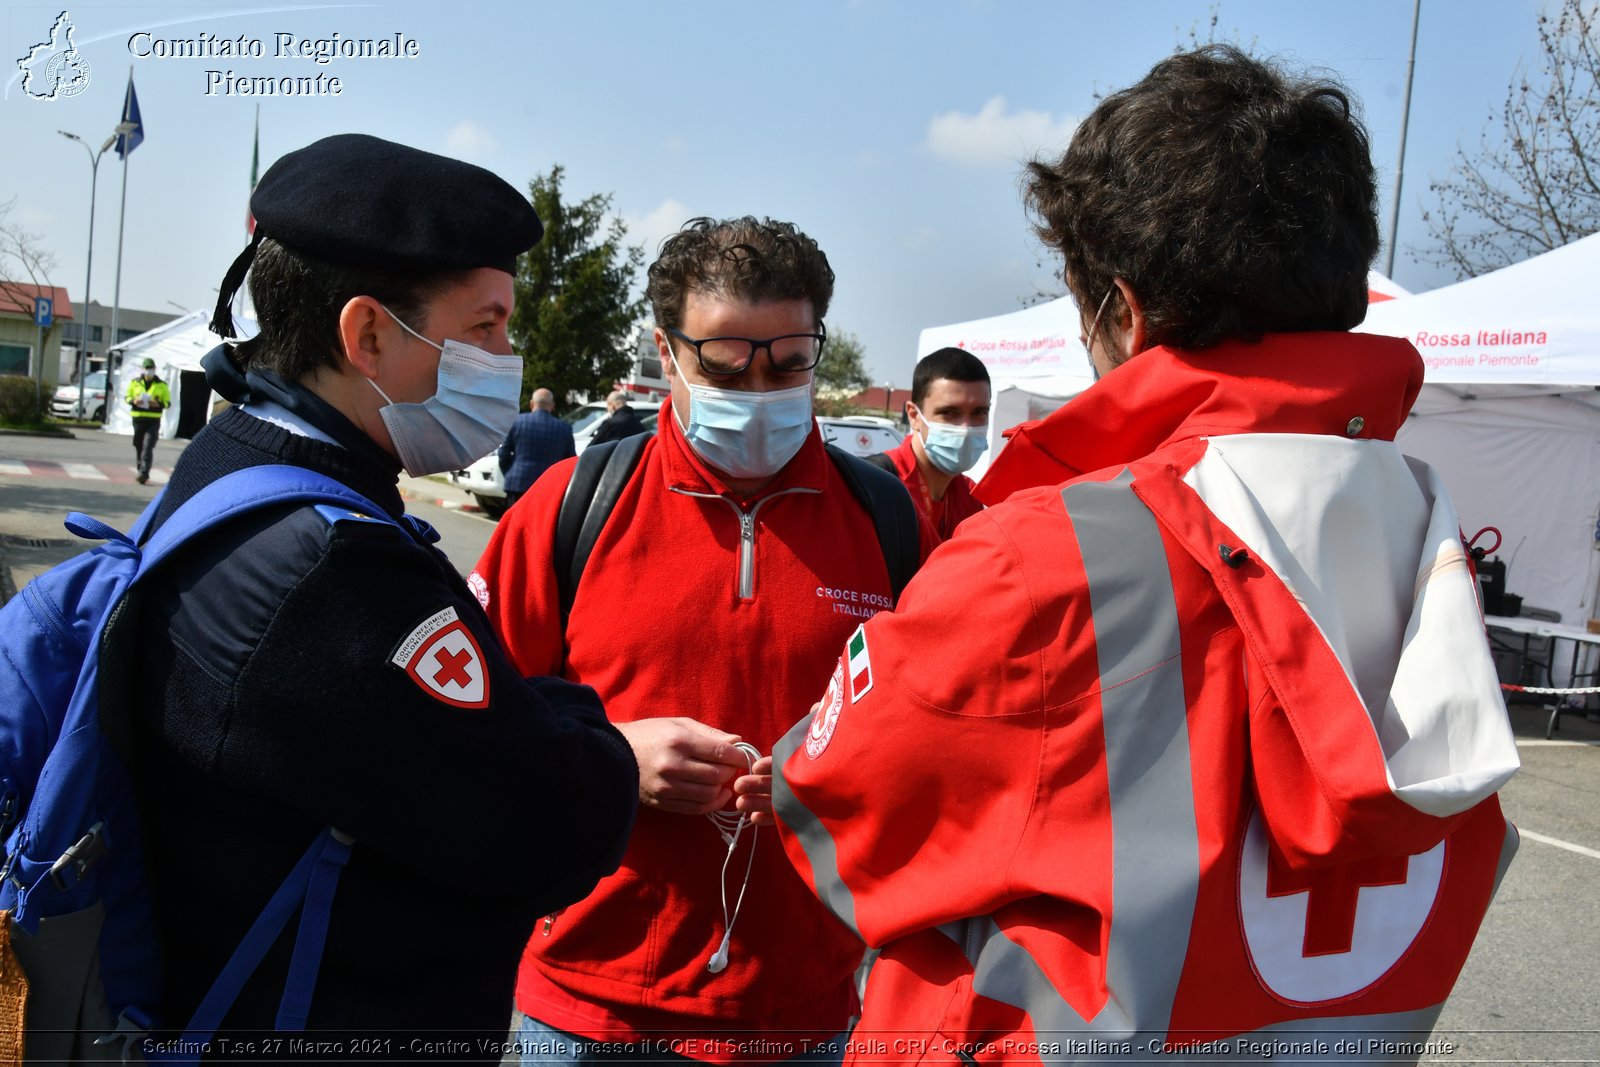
{"x": 730, "y": 828}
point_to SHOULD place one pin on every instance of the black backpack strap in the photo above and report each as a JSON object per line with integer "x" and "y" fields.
{"x": 894, "y": 516}
{"x": 597, "y": 482}
{"x": 882, "y": 461}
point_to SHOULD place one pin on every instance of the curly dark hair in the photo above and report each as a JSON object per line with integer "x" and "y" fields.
{"x": 1234, "y": 198}
{"x": 298, "y": 300}
{"x": 749, "y": 259}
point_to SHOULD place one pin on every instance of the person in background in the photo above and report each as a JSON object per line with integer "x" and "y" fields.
{"x": 948, "y": 414}
{"x": 1193, "y": 735}
{"x": 148, "y": 396}
{"x": 734, "y": 560}
{"x": 536, "y": 442}
{"x": 621, "y": 420}
{"x": 305, "y": 667}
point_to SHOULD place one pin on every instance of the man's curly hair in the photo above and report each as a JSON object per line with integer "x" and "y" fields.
{"x": 748, "y": 259}
{"x": 1235, "y": 199}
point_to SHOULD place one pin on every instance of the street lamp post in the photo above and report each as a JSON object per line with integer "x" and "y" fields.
{"x": 88, "y": 275}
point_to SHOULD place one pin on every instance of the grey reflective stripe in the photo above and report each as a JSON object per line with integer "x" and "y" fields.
{"x": 810, "y": 832}
{"x": 1155, "y": 846}
{"x": 1508, "y": 849}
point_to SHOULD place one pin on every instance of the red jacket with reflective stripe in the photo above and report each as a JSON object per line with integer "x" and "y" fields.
{"x": 661, "y": 627}
{"x": 1131, "y": 764}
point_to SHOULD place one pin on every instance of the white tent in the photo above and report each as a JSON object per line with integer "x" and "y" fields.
{"x": 1510, "y": 415}
{"x": 177, "y": 348}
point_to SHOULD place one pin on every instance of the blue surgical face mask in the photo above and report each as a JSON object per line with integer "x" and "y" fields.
{"x": 954, "y": 449}
{"x": 467, "y": 416}
{"x": 747, "y": 435}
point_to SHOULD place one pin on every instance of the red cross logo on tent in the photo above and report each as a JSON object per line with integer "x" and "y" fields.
{"x": 441, "y": 656}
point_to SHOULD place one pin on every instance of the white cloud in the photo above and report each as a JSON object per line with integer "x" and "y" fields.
{"x": 994, "y": 138}
{"x": 467, "y": 138}
{"x": 650, "y": 230}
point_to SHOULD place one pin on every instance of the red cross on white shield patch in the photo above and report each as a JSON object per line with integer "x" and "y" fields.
{"x": 444, "y": 659}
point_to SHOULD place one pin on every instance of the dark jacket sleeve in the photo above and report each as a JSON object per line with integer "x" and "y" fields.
{"x": 533, "y": 794}
{"x": 508, "y": 449}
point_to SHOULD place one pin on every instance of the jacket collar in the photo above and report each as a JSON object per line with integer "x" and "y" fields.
{"x": 241, "y": 386}
{"x": 684, "y": 471}
{"x": 1303, "y": 383}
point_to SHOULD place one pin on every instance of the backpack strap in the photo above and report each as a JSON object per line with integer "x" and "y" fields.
{"x": 597, "y": 483}
{"x": 310, "y": 884}
{"x": 882, "y": 461}
{"x": 248, "y": 490}
{"x": 894, "y": 516}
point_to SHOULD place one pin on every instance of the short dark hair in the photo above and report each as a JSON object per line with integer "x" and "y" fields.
{"x": 749, "y": 259}
{"x": 1234, "y": 198}
{"x": 298, "y": 300}
{"x": 956, "y": 364}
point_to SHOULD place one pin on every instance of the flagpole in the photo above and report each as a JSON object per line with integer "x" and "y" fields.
{"x": 116, "y": 292}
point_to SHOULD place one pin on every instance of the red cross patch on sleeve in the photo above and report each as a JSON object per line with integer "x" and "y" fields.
{"x": 444, "y": 659}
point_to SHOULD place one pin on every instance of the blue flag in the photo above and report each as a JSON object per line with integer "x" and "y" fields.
{"x": 133, "y": 138}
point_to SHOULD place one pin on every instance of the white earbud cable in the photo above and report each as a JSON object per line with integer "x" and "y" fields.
{"x": 731, "y": 826}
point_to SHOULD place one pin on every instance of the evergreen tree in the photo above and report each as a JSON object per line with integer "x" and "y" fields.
{"x": 574, "y": 312}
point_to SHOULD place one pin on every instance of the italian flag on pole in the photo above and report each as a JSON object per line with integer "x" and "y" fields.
{"x": 859, "y": 666}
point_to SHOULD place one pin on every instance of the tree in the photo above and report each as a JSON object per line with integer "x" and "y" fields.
{"x": 25, "y": 268}
{"x": 574, "y": 317}
{"x": 841, "y": 374}
{"x": 1533, "y": 183}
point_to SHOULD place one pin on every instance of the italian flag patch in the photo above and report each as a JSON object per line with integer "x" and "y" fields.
{"x": 859, "y": 666}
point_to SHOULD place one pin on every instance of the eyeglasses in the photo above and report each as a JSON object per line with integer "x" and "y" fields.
{"x": 724, "y": 357}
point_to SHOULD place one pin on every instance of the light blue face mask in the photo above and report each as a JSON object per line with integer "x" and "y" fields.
{"x": 467, "y": 416}
{"x": 747, "y": 435}
{"x": 955, "y": 449}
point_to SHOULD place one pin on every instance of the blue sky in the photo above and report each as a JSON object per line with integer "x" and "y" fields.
{"x": 890, "y": 130}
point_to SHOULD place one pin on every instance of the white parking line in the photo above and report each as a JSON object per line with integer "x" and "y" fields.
{"x": 11, "y": 466}
{"x": 1558, "y": 843}
{"x": 1534, "y": 742}
{"x": 85, "y": 470}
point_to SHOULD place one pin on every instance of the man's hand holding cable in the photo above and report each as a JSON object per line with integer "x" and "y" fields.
{"x": 685, "y": 766}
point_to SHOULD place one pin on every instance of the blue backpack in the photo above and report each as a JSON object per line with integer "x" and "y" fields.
{"x": 73, "y": 876}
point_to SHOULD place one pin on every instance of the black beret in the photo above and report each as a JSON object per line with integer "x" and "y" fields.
{"x": 361, "y": 201}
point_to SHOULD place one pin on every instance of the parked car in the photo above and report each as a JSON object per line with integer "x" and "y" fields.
{"x": 863, "y": 435}
{"x": 586, "y": 419}
{"x": 487, "y": 485}
{"x": 64, "y": 405}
